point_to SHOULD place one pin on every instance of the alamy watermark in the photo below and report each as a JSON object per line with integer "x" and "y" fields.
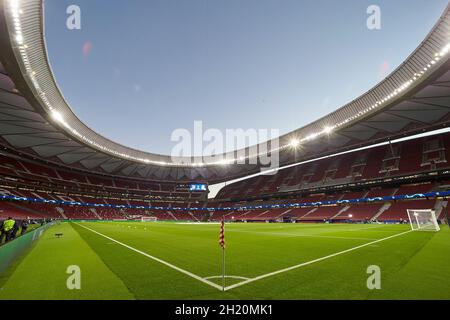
{"x": 374, "y": 19}
{"x": 374, "y": 280}
{"x": 232, "y": 146}
{"x": 73, "y": 21}
{"x": 73, "y": 282}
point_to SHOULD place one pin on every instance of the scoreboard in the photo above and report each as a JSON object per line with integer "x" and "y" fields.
{"x": 198, "y": 187}
{"x": 193, "y": 187}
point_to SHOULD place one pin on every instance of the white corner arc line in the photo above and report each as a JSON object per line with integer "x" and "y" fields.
{"x": 230, "y": 277}
{"x": 311, "y": 262}
{"x": 190, "y": 274}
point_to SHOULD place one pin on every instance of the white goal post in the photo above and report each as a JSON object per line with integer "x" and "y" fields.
{"x": 423, "y": 220}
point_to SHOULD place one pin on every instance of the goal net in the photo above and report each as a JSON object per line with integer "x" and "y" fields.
{"x": 423, "y": 220}
{"x": 145, "y": 219}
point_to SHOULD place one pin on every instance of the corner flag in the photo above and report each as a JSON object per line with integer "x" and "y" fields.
{"x": 222, "y": 235}
{"x": 222, "y": 244}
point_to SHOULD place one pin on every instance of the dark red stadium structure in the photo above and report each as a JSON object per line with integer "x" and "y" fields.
{"x": 46, "y": 152}
{"x": 412, "y": 167}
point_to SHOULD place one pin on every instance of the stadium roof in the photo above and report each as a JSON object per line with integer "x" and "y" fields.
{"x": 36, "y": 120}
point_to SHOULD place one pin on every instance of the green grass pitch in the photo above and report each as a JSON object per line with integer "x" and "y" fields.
{"x": 133, "y": 260}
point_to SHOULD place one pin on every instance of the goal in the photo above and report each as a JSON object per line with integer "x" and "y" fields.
{"x": 146, "y": 219}
{"x": 423, "y": 220}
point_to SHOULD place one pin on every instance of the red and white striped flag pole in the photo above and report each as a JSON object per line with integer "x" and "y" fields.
{"x": 222, "y": 244}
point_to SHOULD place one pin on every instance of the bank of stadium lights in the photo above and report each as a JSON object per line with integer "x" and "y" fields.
{"x": 294, "y": 143}
{"x": 225, "y": 162}
{"x": 18, "y": 37}
{"x": 15, "y": 12}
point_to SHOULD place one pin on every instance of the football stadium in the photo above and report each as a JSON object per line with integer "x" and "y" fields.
{"x": 355, "y": 209}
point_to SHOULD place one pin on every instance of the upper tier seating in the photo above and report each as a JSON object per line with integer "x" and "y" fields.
{"x": 34, "y": 175}
{"x": 386, "y": 161}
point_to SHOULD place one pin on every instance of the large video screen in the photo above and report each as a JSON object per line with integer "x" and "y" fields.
{"x": 198, "y": 187}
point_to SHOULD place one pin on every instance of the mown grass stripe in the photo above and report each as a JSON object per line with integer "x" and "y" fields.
{"x": 188, "y": 273}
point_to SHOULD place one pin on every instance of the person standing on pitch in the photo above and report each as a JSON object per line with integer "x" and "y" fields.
{"x": 24, "y": 226}
{"x": 8, "y": 226}
{"x": 2, "y": 233}
{"x": 15, "y": 230}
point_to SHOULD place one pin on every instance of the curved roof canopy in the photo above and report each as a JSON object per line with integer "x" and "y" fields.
{"x": 36, "y": 120}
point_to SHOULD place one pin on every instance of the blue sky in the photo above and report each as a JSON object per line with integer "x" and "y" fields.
{"x": 139, "y": 69}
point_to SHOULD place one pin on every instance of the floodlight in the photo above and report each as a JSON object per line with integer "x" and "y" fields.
{"x": 328, "y": 130}
{"x": 14, "y": 4}
{"x": 19, "y": 39}
{"x": 57, "y": 116}
{"x": 294, "y": 143}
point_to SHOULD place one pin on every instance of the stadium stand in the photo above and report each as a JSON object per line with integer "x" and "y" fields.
{"x": 397, "y": 211}
{"x": 387, "y": 161}
{"x": 392, "y": 170}
{"x": 362, "y": 212}
{"x": 44, "y": 162}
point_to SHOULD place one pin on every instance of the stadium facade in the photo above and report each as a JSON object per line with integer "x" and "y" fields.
{"x": 54, "y": 165}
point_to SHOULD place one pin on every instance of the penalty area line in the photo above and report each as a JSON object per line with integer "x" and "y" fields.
{"x": 311, "y": 262}
{"x": 190, "y": 274}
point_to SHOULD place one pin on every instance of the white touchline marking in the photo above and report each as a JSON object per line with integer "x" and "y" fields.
{"x": 311, "y": 262}
{"x": 190, "y": 274}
